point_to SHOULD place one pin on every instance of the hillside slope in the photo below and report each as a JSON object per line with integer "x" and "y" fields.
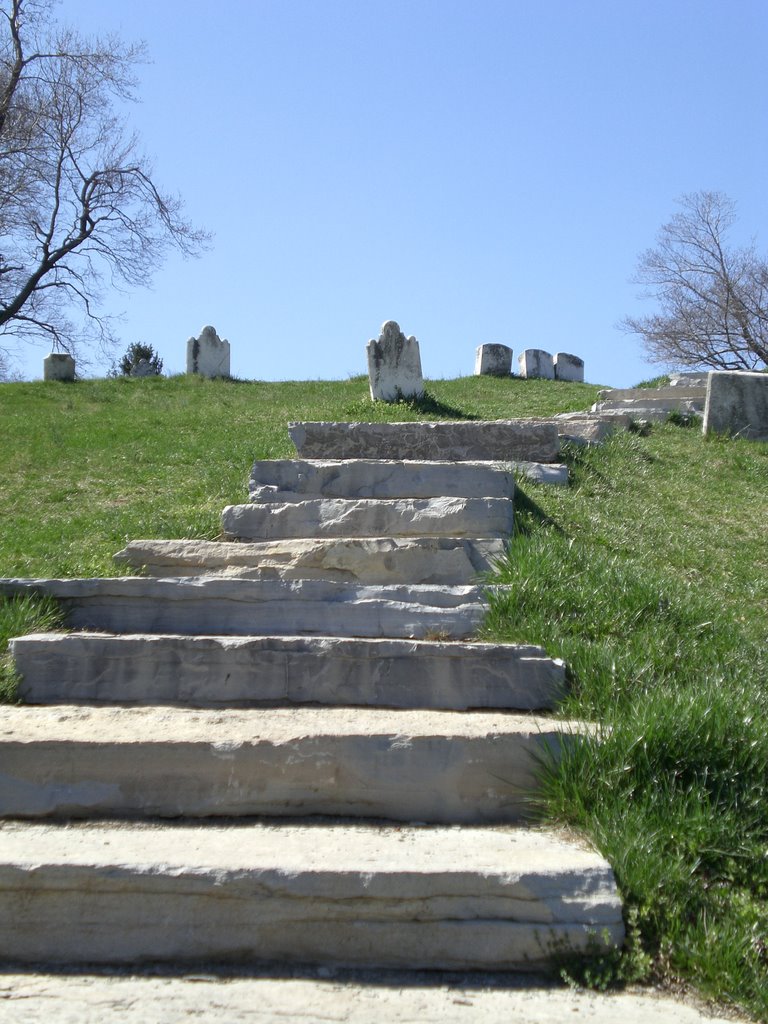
{"x": 649, "y": 575}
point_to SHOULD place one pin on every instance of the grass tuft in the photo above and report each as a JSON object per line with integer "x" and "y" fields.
{"x": 19, "y": 616}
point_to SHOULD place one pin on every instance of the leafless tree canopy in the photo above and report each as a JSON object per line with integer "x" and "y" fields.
{"x": 712, "y": 298}
{"x": 78, "y": 206}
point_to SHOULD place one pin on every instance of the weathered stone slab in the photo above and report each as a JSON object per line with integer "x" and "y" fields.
{"x": 662, "y": 406}
{"x": 300, "y": 479}
{"x": 394, "y": 365}
{"x": 680, "y": 393}
{"x": 451, "y": 560}
{"x": 568, "y": 367}
{"x": 406, "y": 765}
{"x": 535, "y": 362}
{"x": 737, "y": 404}
{"x": 439, "y": 441}
{"x": 241, "y": 671}
{"x": 203, "y": 605}
{"x": 554, "y": 474}
{"x": 695, "y": 378}
{"x": 208, "y": 355}
{"x": 471, "y": 898}
{"x": 586, "y": 428}
{"x": 370, "y": 517}
{"x": 59, "y": 366}
{"x": 493, "y": 361}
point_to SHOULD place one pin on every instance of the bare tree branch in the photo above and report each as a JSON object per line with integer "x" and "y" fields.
{"x": 713, "y": 300}
{"x": 78, "y": 203}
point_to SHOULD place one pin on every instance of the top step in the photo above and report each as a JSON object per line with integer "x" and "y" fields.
{"x": 442, "y": 441}
{"x": 679, "y": 393}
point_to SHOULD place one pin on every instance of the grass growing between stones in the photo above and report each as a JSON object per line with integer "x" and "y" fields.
{"x": 650, "y": 578}
{"x": 22, "y": 615}
{"x": 89, "y": 466}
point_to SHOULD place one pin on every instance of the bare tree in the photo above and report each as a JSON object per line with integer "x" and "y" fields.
{"x": 78, "y": 205}
{"x": 713, "y": 299}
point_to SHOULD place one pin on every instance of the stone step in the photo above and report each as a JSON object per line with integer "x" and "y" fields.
{"x": 202, "y": 605}
{"x": 300, "y": 479}
{"x": 242, "y": 671}
{"x": 359, "y": 895}
{"x": 585, "y": 428}
{"x": 286, "y": 480}
{"x": 440, "y": 441}
{"x": 662, "y": 405}
{"x": 652, "y": 413}
{"x": 370, "y": 517}
{"x": 407, "y": 765}
{"x": 680, "y": 393}
{"x": 367, "y": 560}
{"x": 690, "y": 378}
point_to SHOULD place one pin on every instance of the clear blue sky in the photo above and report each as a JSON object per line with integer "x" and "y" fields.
{"x": 479, "y": 172}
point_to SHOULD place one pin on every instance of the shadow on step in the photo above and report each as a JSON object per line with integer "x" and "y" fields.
{"x": 207, "y": 971}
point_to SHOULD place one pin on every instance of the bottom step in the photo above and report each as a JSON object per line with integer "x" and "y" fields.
{"x": 358, "y": 895}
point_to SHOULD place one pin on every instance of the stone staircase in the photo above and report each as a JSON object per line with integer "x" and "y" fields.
{"x": 654, "y": 404}
{"x": 240, "y": 763}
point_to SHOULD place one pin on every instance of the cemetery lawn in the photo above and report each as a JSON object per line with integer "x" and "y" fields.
{"x": 648, "y": 575}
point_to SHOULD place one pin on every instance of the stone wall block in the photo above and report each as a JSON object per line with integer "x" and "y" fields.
{"x": 737, "y": 404}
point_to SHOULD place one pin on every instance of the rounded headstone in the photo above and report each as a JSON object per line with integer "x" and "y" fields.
{"x": 58, "y": 366}
{"x": 493, "y": 361}
{"x": 142, "y": 369}
{"x": 394, "y": 365}
{"x": 568, "y": 367}
{"x": 535, "y": 362}
{"x": 208, "y": 355}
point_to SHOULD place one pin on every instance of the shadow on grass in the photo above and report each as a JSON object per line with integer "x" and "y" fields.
{"x": 425, "y": 405}
{"x": 530, "y": 516}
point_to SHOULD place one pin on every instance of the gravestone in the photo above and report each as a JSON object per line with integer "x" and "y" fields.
{"x": 58, "y": 366}
{"x": 737, "y": 404}
{"x": 493, "y": 361}
{"x": 568, "y": 367}
{"x": 208, "y": 355}
{"x": 394, "y": 365}
{"x": 535, "y": 362}
{"x": 142, "y": 369}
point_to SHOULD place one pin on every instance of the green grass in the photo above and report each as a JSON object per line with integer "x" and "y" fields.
{"x": 92, "y": 465}
{"x": 649, "y": 576}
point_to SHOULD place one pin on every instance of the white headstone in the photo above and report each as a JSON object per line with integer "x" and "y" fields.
{"x": 737, "y": 404}
{"x": 493, "y": 361}
{"x": 208, "y": 355}
{"x": 394, "y": 365}
{"x": 568, "y": 367}
{"x": 58, "y": 366}
{"x": 535, "y": 362}
{"x": 142, "y": 369}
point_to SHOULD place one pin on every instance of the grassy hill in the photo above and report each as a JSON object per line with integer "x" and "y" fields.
{"x": 649, "y": 576}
